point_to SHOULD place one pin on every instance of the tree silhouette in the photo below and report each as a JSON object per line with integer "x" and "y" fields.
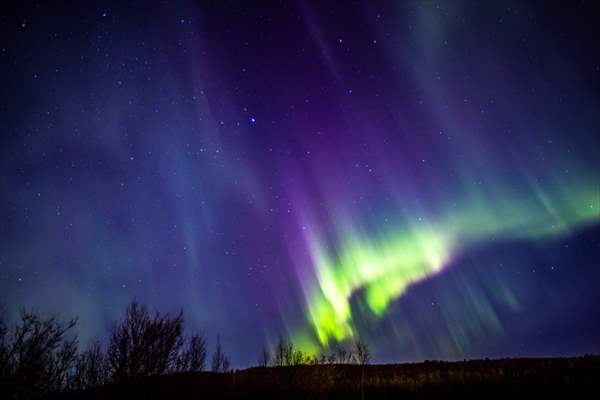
{"x": 91, "y": 369}
{"x": 342, "y": 356}
{"x": 220, "y": 361}
{"x": 362, "y": 353}
{"x": 363, "y": 357}
{"x": 264, "y": 359}
{"x": 148, "y": 345}
{"x": 287, "y": 355}
{"x": 194, "y": 357}
{"x": 280, "y": 353}
{"x": 36, "y": 357}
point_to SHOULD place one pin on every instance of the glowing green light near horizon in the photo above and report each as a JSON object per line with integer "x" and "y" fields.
{"x": 379, "y": 268}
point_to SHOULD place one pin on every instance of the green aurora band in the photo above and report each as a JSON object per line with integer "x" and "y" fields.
{"x": 379, "y": 268}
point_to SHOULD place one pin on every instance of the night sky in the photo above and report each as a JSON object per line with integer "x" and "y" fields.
{"x": 422, "y": 175}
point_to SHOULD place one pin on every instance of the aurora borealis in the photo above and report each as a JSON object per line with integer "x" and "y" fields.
{"x": 387, "y": 265}
{"x": 423, "y": 175}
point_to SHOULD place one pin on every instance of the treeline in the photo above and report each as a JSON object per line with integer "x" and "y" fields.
{"x": 40, "y": 356}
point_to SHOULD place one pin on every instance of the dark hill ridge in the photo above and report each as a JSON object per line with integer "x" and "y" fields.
{"x": 431, "y": 379}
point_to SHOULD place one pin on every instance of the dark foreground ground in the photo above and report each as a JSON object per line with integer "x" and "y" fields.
{"x": 565, "y": 377}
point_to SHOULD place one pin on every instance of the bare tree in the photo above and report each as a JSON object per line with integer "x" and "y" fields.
{"x": 363, "y": 357}
{"x": 289, "y": 354}
{"x": 362, "y": 353}
{"x": 298, "y": 357}
{"x": 331, "y": 358}
{"x": 144, "y": 345}
{"x": 321, "y": 359}
{"x": 37, "y": 357}
{"x": 91, "y": 369}
{"x": 226, "y": 365}
{"x": 286, "y": 354}
{"x": 193, "y": 357}
{"x": 4, "y": 351}
{"x": 342, "y": 355}
{"x": 220, "y": 361}
{"x": 147, "y": 345}
{"x": 263, "y": 361}
{"x": 280, "y": 353}
{"x": 196, "y": 354}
